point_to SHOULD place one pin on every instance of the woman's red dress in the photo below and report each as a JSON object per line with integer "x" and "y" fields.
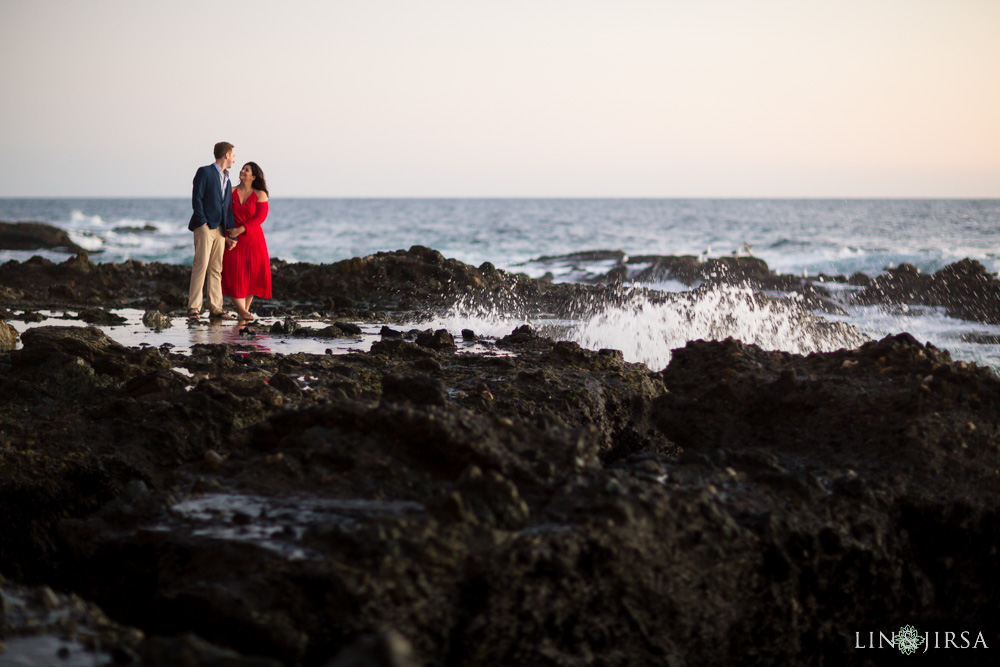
{"x": 246, "y": 269}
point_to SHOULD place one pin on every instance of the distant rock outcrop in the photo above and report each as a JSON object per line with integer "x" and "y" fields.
{"x": 965, "y": 289}
{"x": 35, "y": 236}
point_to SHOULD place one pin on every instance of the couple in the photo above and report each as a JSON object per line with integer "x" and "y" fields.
{"x": 229, "y": 244}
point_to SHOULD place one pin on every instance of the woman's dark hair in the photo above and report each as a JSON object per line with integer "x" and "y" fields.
{"x": 258, "y": 177}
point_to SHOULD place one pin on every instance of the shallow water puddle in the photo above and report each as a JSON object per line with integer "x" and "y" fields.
{"x": 48, "y": 650}
{"x": 643, "y": 332}
{"x": 277, "y": 524}
{"x": 33, "y": 636}
{"x": 182, "y": 336}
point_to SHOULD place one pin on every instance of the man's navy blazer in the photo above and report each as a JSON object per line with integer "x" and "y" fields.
{"x": 211, "y": 206}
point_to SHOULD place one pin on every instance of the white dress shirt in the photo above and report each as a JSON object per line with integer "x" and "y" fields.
{"x": 223, "y": 179}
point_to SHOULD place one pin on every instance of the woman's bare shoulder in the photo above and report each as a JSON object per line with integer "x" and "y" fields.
{"x": 261, "y": 195}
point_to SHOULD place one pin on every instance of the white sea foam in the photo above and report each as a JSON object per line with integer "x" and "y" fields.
{"x": 497, "y": 317}
{"x": 86, "y": 241}
{"x": 79, "y": 220}
{"x": 648, "y": 330}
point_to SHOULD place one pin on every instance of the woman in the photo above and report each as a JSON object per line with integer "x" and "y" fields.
{"x": 246, "y": 267}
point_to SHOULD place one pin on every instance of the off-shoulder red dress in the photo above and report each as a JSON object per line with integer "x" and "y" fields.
{"x": 246, "y": 269}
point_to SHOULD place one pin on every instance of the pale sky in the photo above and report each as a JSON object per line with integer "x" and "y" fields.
{"x": 538, "y": 98}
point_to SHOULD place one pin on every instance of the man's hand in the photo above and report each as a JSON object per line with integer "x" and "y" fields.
{"x": 230, "y": 244}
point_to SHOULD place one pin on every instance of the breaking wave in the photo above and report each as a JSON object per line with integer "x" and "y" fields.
{"x": 648, "y": 332}
{"x": 647, "y": 329}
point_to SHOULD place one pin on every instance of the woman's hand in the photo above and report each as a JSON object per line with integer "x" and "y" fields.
{"x": 236, "y": 231}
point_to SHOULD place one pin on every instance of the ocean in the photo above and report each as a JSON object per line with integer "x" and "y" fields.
{"x": 794, "y": 236}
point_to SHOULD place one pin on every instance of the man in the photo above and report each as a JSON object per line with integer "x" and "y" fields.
{"x": 212, "y": 201}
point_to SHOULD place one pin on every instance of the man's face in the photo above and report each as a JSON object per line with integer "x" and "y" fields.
{"x": 229, "y": 159}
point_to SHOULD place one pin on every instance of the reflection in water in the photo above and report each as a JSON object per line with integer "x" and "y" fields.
{"x": 276, "y": 524}
{"x": 48, "y": 649}
{"x": 643, "y": 335}
{"x": 229, "y": 333}
{"x": 183, "y": 335}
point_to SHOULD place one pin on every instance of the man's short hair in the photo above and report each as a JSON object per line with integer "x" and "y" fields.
{"x": 222, "y": 148}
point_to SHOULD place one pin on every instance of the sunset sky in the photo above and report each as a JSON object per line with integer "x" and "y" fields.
{"x": 542, "y": 98}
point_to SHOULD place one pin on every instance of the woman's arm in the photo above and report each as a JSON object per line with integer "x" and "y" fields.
{"x": 260, "y": 214}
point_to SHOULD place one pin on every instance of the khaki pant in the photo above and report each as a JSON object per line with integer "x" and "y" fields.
{"x": 209, "y": 245}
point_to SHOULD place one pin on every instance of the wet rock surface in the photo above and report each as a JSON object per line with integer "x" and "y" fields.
{"x": 8, "y": 336}
{"x": 550, "y": 505}
{"x": 359, "y": 289}
{"x": 381, "y": 286}
{"x": 533, "y": 503}
{"x": 964, "y": 289}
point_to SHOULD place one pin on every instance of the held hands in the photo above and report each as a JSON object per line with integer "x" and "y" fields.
{"x": 230, "y": 244}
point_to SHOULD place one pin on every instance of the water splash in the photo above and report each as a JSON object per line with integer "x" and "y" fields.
{"x": 492, "y": 315}
{"x": 647, "y": 326}
{"x": 648, "y": 331}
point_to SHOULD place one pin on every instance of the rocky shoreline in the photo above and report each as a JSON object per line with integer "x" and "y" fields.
{"x": 535, "y": 503}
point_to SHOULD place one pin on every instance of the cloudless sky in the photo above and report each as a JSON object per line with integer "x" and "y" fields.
{"x": 538, "y": 98}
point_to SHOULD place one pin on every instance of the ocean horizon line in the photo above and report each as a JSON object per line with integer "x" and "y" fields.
{"x": 525, "y": 198}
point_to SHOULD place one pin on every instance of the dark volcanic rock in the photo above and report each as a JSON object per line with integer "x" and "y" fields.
{"x": 8, "y": 336}
{"x": 289, "y": 326}
{"x": 688, "y": 269}
{"x": 586, "y": 256}
{"x": 388, "y": 332}
{"x": 540, "y": 504}
{"x": 438, "y": 340}
{"x": 419, "y": 389}
{"x": 964, "y": 288}
{"x": 79, "y": 281}
{"x": 31, "y": 316}
{"x": 387, "y": 280}
{"x": 133, "y": 229}
{"x": 35, "y": 236}
{"x": 470, "y": 513}
{"x": 398, "y": 281}
{"x": 348, "y": 328}
{"x": 309, "y": 332}
{"x": 43, "y": 344}
{"x": 154, "y": 319}
{"x": 100, "y": 316}
{"x": 191, "y": 650}
{"x": 383, "y": 649}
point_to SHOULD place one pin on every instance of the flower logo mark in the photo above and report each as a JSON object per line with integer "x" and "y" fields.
{"x": 908, "y": 639}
